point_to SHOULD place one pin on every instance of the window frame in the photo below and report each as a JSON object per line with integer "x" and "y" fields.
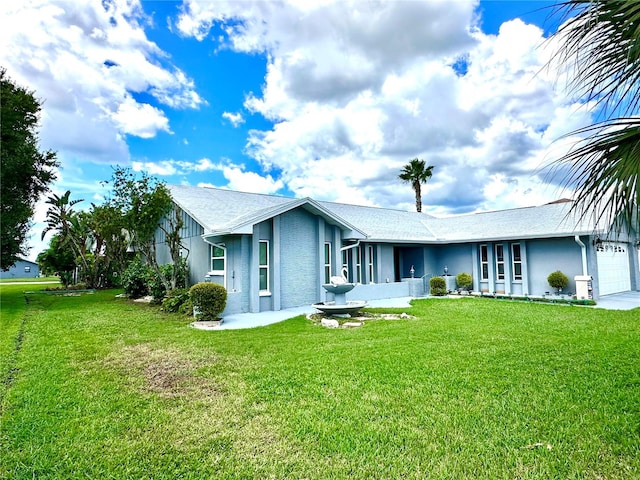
{"x": 264, "y": 266}
{"x": 371, "y": 265}
{"x": 484, "y": 262}
{"x": 327, "y": 262}
{"x": 516, "y": 261}
{"x": 212, "y": 259}
{"x": 499, "y": 254}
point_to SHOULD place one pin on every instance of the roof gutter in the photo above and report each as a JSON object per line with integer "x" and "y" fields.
{"x": 583, "y": 248}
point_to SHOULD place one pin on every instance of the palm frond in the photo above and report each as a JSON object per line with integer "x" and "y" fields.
{"x": 601, "y": 46}
{"x": 604, "y": 169}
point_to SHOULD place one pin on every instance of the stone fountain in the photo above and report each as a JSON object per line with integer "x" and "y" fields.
{"x": 339, "y": 287}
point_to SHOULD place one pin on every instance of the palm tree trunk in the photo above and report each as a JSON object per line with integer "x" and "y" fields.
{"x": 418, "y": 190}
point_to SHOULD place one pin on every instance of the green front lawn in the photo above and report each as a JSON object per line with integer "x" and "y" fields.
{"x": 98, "y": 387}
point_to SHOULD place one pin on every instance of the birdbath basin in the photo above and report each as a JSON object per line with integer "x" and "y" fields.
{"x": 333, "y": 308}
{"x": 338, "y": 288}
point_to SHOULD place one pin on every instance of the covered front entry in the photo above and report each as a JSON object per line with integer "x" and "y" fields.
{"x": 614, "y": 273}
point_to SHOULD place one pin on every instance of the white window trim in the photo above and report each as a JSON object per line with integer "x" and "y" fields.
{"x": 264, "y": 292}
{"x": 371, "y": 269}
{"x": 218, "y": 273}
{"x": 499, "y": 262}
{"x": 358, "y": 265}
{"x": 327, "y": 265}
{"x": 514, "y": 262}
{"x": 484, "y": 262}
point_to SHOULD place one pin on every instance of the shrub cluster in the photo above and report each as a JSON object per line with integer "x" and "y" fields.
{"x": 209, "y": 300}
{"x": 139, "y": 279}
{"x": 438, "y": 286}
{"x": 175, "y": 300}
{"x": 558, "y": 280}
{"x": 464, "y": 280}
{"x": 135, "y": 279}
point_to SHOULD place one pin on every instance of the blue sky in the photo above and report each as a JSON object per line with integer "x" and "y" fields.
{"x": 322, "y": 99}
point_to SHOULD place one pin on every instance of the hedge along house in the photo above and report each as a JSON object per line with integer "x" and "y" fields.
{"x": 273, "y": 252}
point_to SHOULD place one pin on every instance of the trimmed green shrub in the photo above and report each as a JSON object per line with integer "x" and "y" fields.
{"x": 209, "y": 300}
{"x": 175, "y": 299}
{"x": 438, "y": 286}
{"x": 558, "y": 280}
{"x": 464, "y": 280}
{"x": 135, "y": 279}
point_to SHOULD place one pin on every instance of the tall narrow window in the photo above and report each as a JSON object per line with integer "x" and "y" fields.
{"x": 500, "y": 261}
{"x": 484, "y": 262}
{"x": 358, "y": 251}
{"x": 345, "y": 264}
{"x": 264, "y": 265}
{"x": 372, "y": 278}
{"x": 218, "y": 260}
{"x": 327, "y": 262}
{"x": 516, "y": 255}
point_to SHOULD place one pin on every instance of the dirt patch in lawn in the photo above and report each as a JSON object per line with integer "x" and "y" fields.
{"x": 164, "y": 372}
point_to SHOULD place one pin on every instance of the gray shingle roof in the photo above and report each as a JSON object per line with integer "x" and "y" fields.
{"x": 551, "y": 220}
{"x": 221, "y": 211}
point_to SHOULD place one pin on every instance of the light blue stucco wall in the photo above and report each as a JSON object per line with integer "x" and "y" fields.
{"x": 457, "y": 258}
{"x": 299, "y": 258}
{"x": 548, "y": 255}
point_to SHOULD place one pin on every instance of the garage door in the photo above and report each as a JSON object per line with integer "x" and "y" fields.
{"x": 613, "y": 267}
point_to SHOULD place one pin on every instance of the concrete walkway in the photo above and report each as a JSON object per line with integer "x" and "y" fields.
{"x": 620, "y": 301}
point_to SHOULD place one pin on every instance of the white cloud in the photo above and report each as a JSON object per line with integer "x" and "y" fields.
{"x": 357, "y": 89}
{"x": 236, "y": 119}
{"x": 86, "y": 60}
{"x": 139, "y": 119}
{"x": 250, "y": 181}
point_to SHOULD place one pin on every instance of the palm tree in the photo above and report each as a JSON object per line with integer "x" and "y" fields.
{"x": 600, "y": 46}
{"x": 416, "y": 173}
{"x": 61, "y": 218}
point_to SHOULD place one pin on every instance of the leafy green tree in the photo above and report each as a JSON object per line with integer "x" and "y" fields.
{"x": 26, "y": 171}
{"x": 600, "y": 47}
{"x": 416, "y": 173}
{"x": 71, "y": 229}
{"x": 56, "y": 260}
{"x": 144, "y": 204}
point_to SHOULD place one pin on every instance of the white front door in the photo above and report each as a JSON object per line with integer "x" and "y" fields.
{"x": 614, "y": 274}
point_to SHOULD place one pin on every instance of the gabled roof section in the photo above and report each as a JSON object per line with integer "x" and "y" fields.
{"x": 383, "y": 224}
{"x": 223, "y": 212}
{"x": 550, "y": 220}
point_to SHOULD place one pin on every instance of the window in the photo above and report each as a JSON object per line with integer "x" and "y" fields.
{"x": 218, "y": 260}
{"x": 358, "y": 264}
{"x": 327, "y": 262}
{"x": 500, "y": 261}
{"x": 371, "y": 275}
{"x": 263, "y": 258}
{"x": 27, "y": 269}
{"x": 484, "y": 262}
{"x": 345, "y": 264}
{"x": 516, "y": 256}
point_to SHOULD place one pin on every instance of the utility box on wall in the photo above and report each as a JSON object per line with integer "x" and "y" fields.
{"x": 583, "y": 287}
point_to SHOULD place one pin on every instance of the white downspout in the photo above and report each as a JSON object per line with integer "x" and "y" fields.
{"x": 583, "y": 247}
{"x": 350, "y": 246}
